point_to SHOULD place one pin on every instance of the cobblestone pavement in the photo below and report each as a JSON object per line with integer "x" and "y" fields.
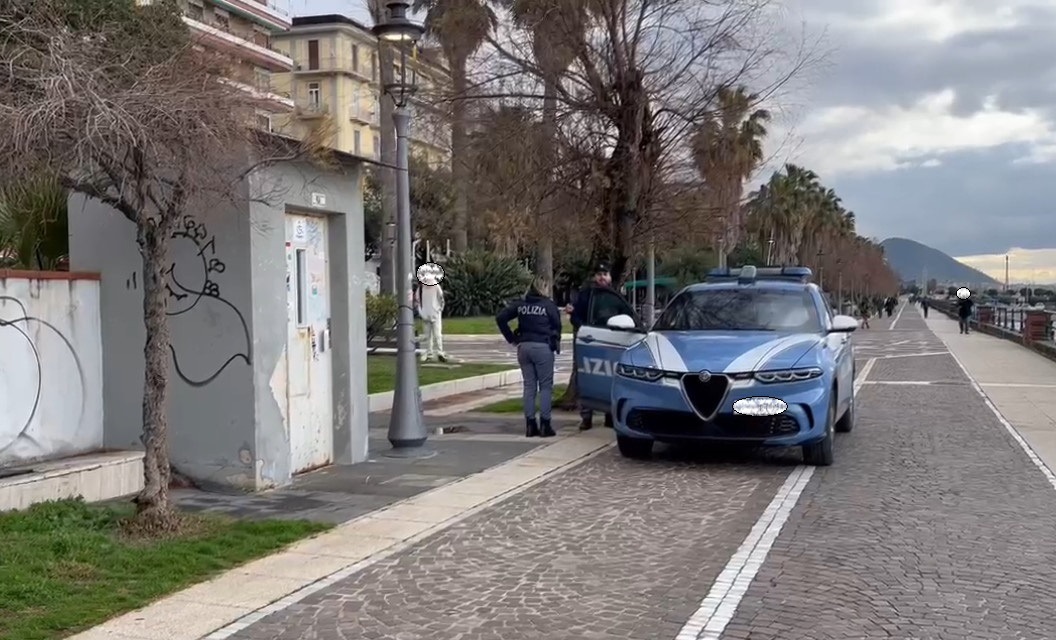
{"x": 931, "y": 525}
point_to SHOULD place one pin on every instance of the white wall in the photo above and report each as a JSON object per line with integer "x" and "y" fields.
{"x": 51, "y": 366}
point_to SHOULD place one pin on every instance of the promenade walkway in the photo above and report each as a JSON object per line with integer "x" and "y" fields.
{"x": 936, "y": 522}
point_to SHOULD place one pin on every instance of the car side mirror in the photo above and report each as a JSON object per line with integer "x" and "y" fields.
{"x": 622, "y": 322}
{"x": 844, "y": 324}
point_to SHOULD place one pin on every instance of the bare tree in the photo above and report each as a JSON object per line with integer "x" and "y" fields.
{"x": 122, "y": 105}
{"x": 644, "y": 76}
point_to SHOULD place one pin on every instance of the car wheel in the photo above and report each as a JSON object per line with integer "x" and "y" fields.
{"x": 636, "y": 448}
{"x": 846, "y": 423}
{"x": 820, "y": 454}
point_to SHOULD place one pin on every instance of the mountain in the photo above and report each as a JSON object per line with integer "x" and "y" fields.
{"x": 910, "y": 259}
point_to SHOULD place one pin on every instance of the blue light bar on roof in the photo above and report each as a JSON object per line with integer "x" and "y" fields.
{"x": 745, "y": 275}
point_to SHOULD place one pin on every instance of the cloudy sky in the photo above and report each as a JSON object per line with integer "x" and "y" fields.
{"x": 935, "y": 120}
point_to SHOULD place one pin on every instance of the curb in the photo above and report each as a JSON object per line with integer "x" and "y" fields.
{"x": 378, "y": 402}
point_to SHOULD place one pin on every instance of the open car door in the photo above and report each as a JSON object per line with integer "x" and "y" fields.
{"x": 598, "y": 347}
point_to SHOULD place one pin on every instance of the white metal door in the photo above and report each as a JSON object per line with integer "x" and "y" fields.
{"x": 308, "y": 364}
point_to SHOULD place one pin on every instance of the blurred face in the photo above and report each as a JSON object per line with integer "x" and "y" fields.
{"x": 603, "y": 279}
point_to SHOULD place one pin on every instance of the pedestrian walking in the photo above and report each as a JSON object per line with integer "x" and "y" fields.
{"x": 863, "y": 312}
{"x": 431, "y": 310}
{"x": 964, "y": 314}
{"x": 578, "y": 311}
{"x": 538, "y": 340}
{"x": 924, "y": 306}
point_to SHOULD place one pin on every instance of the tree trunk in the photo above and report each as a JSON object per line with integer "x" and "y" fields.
{"x": 153, "y": 506}
{"x": 387, "y": 137}
{"x": 544, "y": 248}
{"x": 459, "y": 157}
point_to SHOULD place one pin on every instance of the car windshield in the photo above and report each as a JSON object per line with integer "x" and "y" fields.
{"x": 746, "y": 309}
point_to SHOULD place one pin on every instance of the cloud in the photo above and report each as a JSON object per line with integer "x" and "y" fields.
{"x": 854, "y": 139}
{"x": 1024, "y": 265}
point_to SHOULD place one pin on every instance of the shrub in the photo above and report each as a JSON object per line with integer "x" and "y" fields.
{"x": 481, "y": 283}
{"x": 381, "y": 315}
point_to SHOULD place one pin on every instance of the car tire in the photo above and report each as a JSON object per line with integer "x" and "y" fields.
{"x": 820, "y": 454}
{"x": 846, "y": 423}
{"x": 634, "y": 448}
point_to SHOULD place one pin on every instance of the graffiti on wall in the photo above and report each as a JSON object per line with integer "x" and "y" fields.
{"x": 16, "y": 430}
{"x": 194, "y": 291}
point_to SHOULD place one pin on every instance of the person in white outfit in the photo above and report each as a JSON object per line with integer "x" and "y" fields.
{"x": 431, "y": 309}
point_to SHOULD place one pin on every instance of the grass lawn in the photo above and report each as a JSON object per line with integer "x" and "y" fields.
{"x": 67, "y": 566}
{"x": 514, "y": 405}
{"x": 381, "y": 372}
{"x": 485, "y": 325}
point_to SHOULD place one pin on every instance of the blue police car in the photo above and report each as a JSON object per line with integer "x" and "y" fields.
{"x": 752, "y": 355}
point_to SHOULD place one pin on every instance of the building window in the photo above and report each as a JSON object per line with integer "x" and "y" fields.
{"x": 313, "y": 54}
{"x": 314, "y": 95}
{"x": 264, "y": 122}
{"x": 374, "y": 67}
{"x": 355, "y": 58}
{"x": 221, "y": 20}
{"x": 377, "y": 147}
{"x": 261, "y": 39}
{"x": 195, "y": 12}
{"x": 356, "y": 148}
{"x": 262, "y": 80}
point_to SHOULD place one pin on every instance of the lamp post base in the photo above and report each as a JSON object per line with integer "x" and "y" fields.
{"x": 415, "y": 449}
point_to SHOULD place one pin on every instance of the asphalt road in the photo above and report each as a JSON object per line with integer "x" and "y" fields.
{"x": 932, "y": 524}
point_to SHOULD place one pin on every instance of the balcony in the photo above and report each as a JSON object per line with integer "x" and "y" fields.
{"x": 363, "y": 115}
{"x": 219, "y": 36}
{"x": 274, "y": 102}
{"x": 335, "y": 64}
{"x": 266, "y": 14}
{"x": 312, "y": 110}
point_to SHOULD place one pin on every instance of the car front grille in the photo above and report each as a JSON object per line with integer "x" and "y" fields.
{"x": 679, "y": 424}
{"x": 705, "y": 396}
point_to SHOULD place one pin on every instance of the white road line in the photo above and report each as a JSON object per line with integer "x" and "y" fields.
{"x": 719, "y": 606}
{"x": 1017, "y": 385}
{"x": 900, "y": 382}
{"x": 897, "y": 316}
{"x": 1038, "y": 462}
{"x": 913, "y": 355}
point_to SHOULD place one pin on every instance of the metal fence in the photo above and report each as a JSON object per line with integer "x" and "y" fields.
{"x": 1004, "y": 319}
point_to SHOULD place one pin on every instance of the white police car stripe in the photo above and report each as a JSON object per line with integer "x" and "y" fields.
{"x": 749, "y": 360}
{"x": 665, "y": 355}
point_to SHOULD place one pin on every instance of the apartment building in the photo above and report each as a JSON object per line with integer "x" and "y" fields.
{"x": 336, "y": 80}
{"x": 246, "y": 30}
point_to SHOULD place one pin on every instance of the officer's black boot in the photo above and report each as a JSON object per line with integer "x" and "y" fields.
{"x": 608, "y": 420}
{"x": 545, "y": 429}
{"x": 531, "y": 429}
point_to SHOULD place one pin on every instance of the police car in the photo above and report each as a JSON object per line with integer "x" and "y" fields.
{"x": 752, "y": 355}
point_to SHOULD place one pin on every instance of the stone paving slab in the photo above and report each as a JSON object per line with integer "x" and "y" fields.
{"x": 340, "y": 493}
{"x": 917, "y": 369}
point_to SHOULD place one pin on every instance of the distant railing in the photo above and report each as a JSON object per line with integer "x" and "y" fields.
{"x": 1028, "y": 325}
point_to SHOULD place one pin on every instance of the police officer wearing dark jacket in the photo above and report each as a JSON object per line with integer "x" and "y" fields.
{"x": 578, "y": 312}
{"x": 538, "y": 338}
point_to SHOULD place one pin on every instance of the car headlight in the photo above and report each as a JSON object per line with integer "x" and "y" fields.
{"x": 639, "y": 373}
{"x": 788, "y": 375}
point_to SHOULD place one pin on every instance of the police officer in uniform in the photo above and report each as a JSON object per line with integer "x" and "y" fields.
{"x": 538, "y": 339}
{"x": 578, "y": 312}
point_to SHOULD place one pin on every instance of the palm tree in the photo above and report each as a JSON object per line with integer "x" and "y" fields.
{"x": 556, "y": 26}
{"x": 727, "y": 149}
{"x": 33, "y": 230}
{"x": 460, "y": 26}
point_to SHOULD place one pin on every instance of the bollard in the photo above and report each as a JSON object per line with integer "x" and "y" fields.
{"x": 1035, "y": 325}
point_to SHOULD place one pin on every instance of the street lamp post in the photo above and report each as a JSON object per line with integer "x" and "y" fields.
{"x": 407, "y": 432}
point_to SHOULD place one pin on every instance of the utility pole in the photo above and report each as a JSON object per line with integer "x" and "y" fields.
{"x": 770, "y": 249}
{"x": 1006, "y": 273}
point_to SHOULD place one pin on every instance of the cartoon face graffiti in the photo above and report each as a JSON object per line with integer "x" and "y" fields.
{"x": 430, "y": 274}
